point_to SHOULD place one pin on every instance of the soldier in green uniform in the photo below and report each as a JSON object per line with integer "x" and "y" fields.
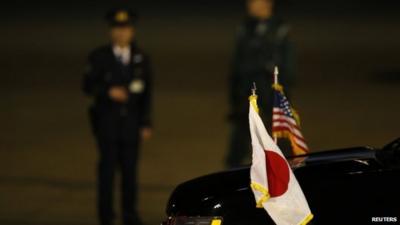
{"x": 262, "y": 43}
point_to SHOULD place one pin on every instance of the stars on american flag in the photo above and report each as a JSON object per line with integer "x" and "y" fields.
{"x": 284, "y": 105}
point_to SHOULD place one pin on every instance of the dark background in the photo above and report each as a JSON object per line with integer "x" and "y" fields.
{"x": 347, "y": 92}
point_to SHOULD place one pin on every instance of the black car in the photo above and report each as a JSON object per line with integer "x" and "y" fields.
{"x": 358, "y": 186}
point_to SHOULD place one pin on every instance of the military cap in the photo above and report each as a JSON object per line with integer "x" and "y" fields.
{"x": 121, "y": 17}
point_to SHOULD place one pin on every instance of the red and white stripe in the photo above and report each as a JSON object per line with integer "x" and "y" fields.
{"x": 283, "y": 123}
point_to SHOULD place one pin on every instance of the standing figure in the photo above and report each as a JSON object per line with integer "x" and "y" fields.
{"x": 262, "y": 43}
{"x": 119, "y": 81}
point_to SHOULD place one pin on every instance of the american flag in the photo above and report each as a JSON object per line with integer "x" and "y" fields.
{"x": 284, "y": 123}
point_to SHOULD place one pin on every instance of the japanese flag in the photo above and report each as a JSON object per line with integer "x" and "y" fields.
{"x": 273, "y": 183}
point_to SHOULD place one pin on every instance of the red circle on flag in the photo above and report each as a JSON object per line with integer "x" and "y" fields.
{"x": 277, "y": 173}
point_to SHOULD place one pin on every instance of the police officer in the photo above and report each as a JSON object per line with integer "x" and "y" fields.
{"x": 262, "y": 43}
{"x": 119, "y": 80}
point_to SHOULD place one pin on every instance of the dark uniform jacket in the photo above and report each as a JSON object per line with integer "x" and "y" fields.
{"x": 260, "y": 46}
{"x": 111, "y": 120}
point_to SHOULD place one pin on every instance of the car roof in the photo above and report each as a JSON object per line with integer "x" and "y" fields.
{"x": 331, "y": 156}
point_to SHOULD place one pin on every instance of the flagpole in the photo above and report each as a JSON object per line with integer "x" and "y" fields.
{"x": 254, "y": 89}
{"x": 276, "y": 73}
{"x": 276, "y": 83}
